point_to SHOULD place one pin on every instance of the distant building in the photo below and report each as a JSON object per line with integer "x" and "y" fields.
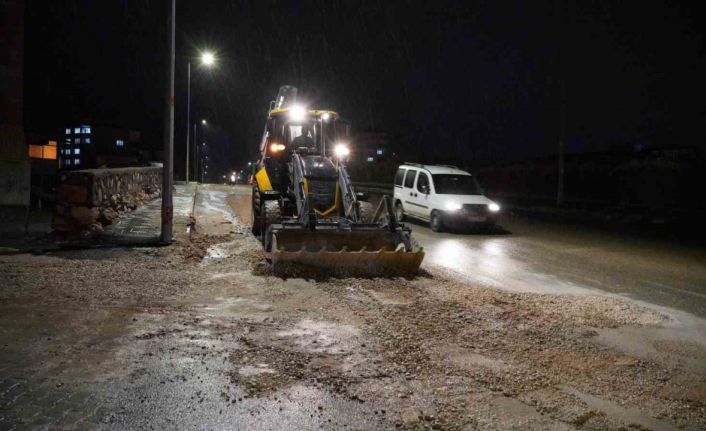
{"x": 88, "y": 146}
{"x": 371, "y": 147}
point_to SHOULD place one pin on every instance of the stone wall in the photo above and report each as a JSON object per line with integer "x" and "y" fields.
{"x": 14, "y": 182}
{"x": 89, "y": 199}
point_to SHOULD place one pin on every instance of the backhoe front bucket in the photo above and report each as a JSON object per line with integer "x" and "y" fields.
{"x": 367, "y": 252}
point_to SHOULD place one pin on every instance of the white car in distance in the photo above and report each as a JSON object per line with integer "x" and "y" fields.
{"x": 442, "y": 195}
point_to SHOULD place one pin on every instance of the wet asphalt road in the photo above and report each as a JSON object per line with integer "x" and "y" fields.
{"x": 554, "y": 258}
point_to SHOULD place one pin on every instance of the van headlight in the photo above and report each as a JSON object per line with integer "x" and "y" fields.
{"x": 493, "y": 207}
{"x": 453, "y": 206}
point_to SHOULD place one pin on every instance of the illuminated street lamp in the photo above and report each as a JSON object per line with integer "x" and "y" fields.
{"x": 208, "y": 60}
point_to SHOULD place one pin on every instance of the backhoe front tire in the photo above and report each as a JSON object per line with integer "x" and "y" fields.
{"x": 270, "y": 214}
{"x": 366, "y": 211}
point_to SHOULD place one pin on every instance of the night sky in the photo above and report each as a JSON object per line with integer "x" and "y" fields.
{"x": 475, "y": 80}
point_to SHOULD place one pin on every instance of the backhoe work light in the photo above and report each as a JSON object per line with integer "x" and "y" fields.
{"x": 297, "y": 113}
{"x": 341, "y": 150}
{"x": 276, "y": 148}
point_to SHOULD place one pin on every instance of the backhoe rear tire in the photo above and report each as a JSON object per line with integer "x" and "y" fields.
{"x": 255, "y": 212}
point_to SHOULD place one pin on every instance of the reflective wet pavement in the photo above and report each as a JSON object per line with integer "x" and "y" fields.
{"x": 542, "y": 257}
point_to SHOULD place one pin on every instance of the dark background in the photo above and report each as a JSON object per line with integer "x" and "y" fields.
{"x": 473, "y": 81}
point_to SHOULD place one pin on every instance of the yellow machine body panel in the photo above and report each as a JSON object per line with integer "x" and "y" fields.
{"x": 263, "y": 180}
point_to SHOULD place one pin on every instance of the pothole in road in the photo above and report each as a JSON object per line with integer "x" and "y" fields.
{"x": 319, "y": 336}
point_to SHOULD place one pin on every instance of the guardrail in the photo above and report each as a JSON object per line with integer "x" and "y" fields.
{"x": 381, "y": 188}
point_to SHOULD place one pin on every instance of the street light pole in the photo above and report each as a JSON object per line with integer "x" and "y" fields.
{"x": 197, "y": 147}
{"x": 208, "y": 60}
{"x": 188, "y": 116}
{"x": 168, "y": 164}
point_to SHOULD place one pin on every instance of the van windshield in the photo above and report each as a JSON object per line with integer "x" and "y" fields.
{"x": 447, "y": 184}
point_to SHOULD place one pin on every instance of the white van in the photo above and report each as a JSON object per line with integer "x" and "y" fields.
{"x": 445, "y": 196}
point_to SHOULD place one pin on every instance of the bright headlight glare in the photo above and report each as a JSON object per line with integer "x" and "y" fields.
{"x": 341, "y": 150}
{"x": 277, "y": 147}
{"x": 326, "y": 116}
{"x": 493, "y": 207}
{"x": 297, "y": 113}
{"x": 453, "y": 206}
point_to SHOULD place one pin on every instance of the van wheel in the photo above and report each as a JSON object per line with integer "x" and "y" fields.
{"x": 435, "y": 222}
{"x": 399, "y": 212}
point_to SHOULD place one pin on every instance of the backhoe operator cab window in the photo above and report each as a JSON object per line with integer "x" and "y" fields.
{"x": 409, "y": 178}
{"x": 303, "y": 136}
{"x": 322, "y": 135}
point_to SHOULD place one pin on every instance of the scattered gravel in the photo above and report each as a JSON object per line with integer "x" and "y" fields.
{"x": 427, "y": 353}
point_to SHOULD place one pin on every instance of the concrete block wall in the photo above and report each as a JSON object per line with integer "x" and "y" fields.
{"x": 89, "y": 199}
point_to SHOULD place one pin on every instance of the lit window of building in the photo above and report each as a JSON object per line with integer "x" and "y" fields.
{"x": 86, "y": 130}
{"x": 86, "y": 140}
{"x": 68, "y": 131}
{"x": 379, "y": 151}
{"x": 35, "y": 151}
{"x": 371, "y": 159}
{"x": 119, "y": 143}
{"x": 78, "y": 140}
{"x": 77, "y": 161}
{"x": 77, "y": 130}
{"x": 77, "y": 151}
{"x": 47, "y": 151}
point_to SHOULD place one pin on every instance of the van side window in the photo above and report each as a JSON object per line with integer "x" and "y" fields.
{"x": 409, "y": 179}
{"x": 399, "y": 177}
{"x": 423, "y": 183}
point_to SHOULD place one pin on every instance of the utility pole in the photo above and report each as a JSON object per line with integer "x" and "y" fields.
{"x": 197, "y": 148}
{"x": 168, "y": 164}
{"x": 196, "y": 162}
{"x": 188, "y": 116}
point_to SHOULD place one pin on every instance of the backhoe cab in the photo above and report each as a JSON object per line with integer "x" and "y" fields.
{"x": 304, "y": 207}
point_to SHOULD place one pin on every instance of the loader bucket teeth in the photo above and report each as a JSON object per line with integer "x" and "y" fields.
{"x": 367, "y": 253}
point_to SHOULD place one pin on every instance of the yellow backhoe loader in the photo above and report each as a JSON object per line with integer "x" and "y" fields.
{"x": 305, "y": 209}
